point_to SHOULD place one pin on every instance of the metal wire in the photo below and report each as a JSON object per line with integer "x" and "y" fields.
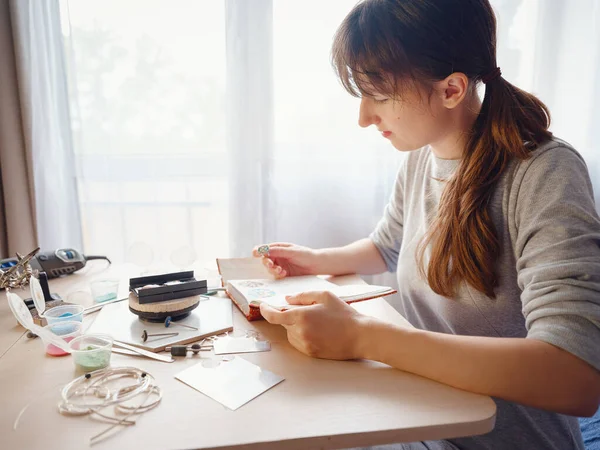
{"x": 91, "y": 393}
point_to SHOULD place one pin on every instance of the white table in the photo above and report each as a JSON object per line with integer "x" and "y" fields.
{"x": 321, "y": 404}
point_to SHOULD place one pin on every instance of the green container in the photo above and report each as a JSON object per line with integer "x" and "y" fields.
{"x": 91, "y": 352}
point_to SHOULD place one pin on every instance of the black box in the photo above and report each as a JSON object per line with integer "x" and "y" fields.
{"x": 169, "y": 287}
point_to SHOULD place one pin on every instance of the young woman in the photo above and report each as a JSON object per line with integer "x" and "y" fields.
{"x": 491, "y": 230}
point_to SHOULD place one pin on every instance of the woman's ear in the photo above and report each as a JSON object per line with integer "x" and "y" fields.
{"x": 453, "y": 89}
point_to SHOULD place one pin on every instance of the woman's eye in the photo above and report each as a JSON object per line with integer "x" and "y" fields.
{"x": 380, "y": 100}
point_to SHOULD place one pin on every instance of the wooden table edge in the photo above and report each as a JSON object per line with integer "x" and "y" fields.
{"x": 383, "y": 437}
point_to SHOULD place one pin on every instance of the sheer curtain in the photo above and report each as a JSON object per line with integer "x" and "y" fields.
{"x": 552, "y": 48}
{"x": 147, "y": 81}
{"x": 210, "y": 127}
{"x": 214, "y": 126}
{"x": 330, "y": 178}
{"x": 44, "y": 107}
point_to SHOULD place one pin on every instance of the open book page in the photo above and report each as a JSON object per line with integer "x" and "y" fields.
{"x": 242, "y": 269}
{"x": 353, "y": 292}
{"x": 274, "y": 292}
{"x": 248, "y": 283}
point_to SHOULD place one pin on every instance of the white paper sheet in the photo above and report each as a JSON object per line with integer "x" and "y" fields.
{"x": 232, "y": 383}
{"x": 228, "y": 345}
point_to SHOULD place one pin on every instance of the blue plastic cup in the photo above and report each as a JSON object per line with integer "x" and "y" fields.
{"x": 64, "y": 313}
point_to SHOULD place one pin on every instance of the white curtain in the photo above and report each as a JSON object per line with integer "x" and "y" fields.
{"x": 214, "y": 126}
{"x": 552, "y": 49}
{"x": 45, "y": 114}
{"x": 310, "y": 174}
{"x": 249, "y": 68}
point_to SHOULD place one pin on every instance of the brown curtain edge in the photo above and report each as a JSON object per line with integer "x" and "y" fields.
{"x": 17, "y": 218}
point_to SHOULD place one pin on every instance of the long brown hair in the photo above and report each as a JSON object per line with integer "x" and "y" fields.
{"x": 383, "y": 44}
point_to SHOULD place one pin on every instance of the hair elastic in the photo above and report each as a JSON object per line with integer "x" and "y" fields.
{"x": 491, "y": 75}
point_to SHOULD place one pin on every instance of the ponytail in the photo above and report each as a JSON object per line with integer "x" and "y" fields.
{"x": 465, "y": 245}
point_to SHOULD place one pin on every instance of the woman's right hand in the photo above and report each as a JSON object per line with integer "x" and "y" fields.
{"x": 288, "y": 260}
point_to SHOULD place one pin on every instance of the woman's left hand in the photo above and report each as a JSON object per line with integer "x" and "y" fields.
{"x": 321, "y": 325}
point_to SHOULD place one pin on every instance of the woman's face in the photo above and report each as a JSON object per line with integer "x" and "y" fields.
{"x": 417, "y": 119}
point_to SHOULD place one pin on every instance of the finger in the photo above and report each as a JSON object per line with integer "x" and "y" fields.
{"x": 276, "y": 317}
{"x": 271, "y": 246}
{"x": 305, "y": 298}
{"x": 280, "y": 275}
{"x": 268, "y": 262}
{"x": 282, "y": 252}
{"x": 270, "y": 265}
{"x": 276, "y": 271}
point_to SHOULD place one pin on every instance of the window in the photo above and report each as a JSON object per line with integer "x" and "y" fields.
{"x": 162, "y": 165}
{"x": 147, "y": 90}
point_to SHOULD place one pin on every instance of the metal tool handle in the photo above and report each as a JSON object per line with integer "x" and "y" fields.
{"x": 163, "y": 358}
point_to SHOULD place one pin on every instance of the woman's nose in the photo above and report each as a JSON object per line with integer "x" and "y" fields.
{"x": 365, "y": 115}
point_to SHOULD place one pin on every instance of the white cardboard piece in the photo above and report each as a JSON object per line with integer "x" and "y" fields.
{"x": 212, "y": 316}
{"x": 233, "y": 383}
{"x": 228, "y": 344}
